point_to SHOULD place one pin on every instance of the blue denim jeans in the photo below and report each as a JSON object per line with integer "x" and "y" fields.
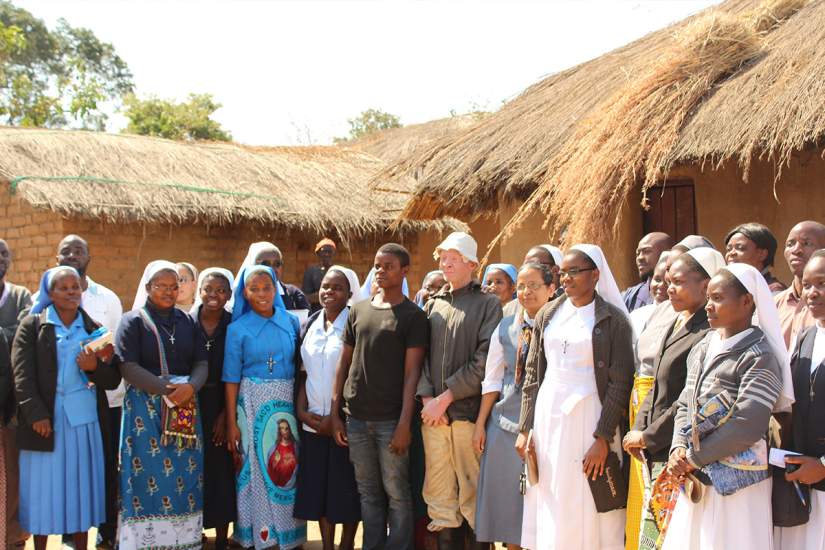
{"x": 384, "y": 484}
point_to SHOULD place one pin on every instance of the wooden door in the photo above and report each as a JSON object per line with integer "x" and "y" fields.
{"x": 672, "y": 209}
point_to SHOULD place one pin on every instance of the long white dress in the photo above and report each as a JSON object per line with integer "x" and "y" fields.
{"x": 559, "y": 512}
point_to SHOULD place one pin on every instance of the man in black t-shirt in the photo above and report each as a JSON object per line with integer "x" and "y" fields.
{"x": 375, "y": 382}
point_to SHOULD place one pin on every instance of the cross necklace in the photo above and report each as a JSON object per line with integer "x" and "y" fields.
{"x": 171, "y": 335}
{"x": 270, "y": 363}
{"x": 209, "y": 344}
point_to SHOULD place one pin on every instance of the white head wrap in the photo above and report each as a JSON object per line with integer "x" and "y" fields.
{"x": 767, "y": 318}
{"x": 192, "y": 269}
{"x": 252, "y": 254}
{"x": 710, "y": 259}
{"x": 354, "y": 284}
{"x": 202, "y": 277}
{"x": 152, "y": 269}
{"x": 606, "y": 287}
{"x": 554, "y": 251}
{"x": 695, "y": 241}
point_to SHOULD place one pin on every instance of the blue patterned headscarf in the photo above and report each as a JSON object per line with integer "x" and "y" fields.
{"x": 241, "y": 305}
{"x": 43, "y": 300}
{"x": 509, "y": 269}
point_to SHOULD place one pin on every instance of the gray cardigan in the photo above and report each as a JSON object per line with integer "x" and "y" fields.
{"x": 751, "y": 375}
{"x": 613, "y": 358}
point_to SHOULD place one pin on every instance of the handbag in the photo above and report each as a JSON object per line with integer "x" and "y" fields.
{"x": 609, "y": 489}
{"x": 178, "y": 424}
{"x": 788, "y": 510}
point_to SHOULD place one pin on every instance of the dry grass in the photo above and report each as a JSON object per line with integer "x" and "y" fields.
{"x": 631, "y": 135}
{"x": 743, "y": 79}
{"x": 123, "y": 178}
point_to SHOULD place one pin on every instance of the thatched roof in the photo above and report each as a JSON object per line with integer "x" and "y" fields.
{"x": 395, "y": 144}
{"x": 127, "y": 178}
{"x": 741, "y": 79}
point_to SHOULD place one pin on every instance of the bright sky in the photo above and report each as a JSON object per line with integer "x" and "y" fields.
{"x": 293, "y": 72}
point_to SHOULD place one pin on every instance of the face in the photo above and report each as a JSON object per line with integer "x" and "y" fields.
{"x": 659, "y": 283}
{"x": 802, "y": 241}
{"x": 5, "y": 258}
{"x": 284, "y": 431}
{"x": 163, "y": 289}
{"x": 455, "y": 269}
{"x": 215, "y": 292}
{"x": 500, "y": 284}
{"x": 578, "y": 277}
{"x": 687, "y": 289}
{"x": 334, "y": 292}
{"x": 742, "y": 250}
{"x": 813, "y": 287}
{"x": 66, "y": 292}
{"x": 74, "y": 253}
{"x": 271, "y": 258}
{"x": 388, "y": 271}
{"x": 186, "y": 284}
{"x": 647, "y": 254}
{"x": 260, "y": 293}
{"x": 325, "y": 255}
{"x": 539, "y": 255}
{"x": 725, "y": 308}
{"x": 531, "y": 291}
{"x": 432, "y": 285}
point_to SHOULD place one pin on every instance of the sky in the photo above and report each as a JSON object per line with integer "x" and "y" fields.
{"x": 293, "y": 72}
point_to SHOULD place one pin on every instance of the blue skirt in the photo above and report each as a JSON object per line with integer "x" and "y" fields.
{"x": 161, "y": 486}
{"x": 63, "y": 491}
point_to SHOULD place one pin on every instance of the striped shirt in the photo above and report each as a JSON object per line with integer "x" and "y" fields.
{"x": 747, "y": 370}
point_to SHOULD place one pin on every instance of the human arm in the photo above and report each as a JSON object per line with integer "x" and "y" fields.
{"x": 480, "y": 431}
{"x": 620, "y": 370}
{"x": 233, "y": 432}
{"x": 302, "y": 406}
{"x": 6, "y": 380}
{"x": 490, "y": 389}
{"x": 339, "y": 431}
{"x": 24, "y": 305}
{"x": 24, "y": 366}
{"x": 759, "y": 387}
{"x": 401, "y": 438}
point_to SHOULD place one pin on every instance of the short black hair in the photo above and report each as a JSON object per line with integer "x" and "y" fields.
{"x": 761, "y": 236}
{"x": 546, "y": 273}
{"x": 692, "y": 264}
{"x": 733, "y": 281}
{"x": 216, "y": 275}
{"x": 396, "y": 250}
{"x": 587, "y": 259}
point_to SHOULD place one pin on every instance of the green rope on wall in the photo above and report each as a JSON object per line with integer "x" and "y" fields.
{"x": 183, "y": 187}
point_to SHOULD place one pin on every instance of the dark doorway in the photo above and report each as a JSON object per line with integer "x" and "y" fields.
{"x": 672, "y": 209}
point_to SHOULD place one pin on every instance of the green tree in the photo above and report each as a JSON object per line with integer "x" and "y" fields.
{"x": 182, "y": 121}
{"x": 60, "y": 77}
{"x": 370, "y": 121}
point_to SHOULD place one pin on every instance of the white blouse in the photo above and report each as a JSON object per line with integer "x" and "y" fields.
{"x": 320, "y": 352}
{"x": 494, "y": 368}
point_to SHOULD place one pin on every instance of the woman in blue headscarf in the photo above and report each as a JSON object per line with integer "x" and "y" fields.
{"x": 60, "y": 393}
{"x": 261, "y": 431}
{"x": 500, "y": 279}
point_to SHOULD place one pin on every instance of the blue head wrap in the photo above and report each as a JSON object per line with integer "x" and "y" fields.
{"x": 241, "y": 305}
{"x": 43, "y": 300}
{"x": 509, "y": 269}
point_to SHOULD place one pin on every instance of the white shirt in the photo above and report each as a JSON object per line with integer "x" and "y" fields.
{"x": 494, "y": 368}
{"x": 319, "y": 353}
{"x": 818, "y": 354}
{"x": 717, "y": 346}
{"x": 103, "y": 306}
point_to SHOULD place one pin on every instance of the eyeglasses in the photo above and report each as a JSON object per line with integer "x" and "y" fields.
{"x": 166, "y": 288}
{"x": 534, "y": 286}
{"x": 575, "y": 271}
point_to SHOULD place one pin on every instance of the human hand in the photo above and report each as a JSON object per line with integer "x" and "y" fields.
{"x": 677, "y": 464}
{"x": 86, "y": 360}
{"x": 633, "y": 443}
{"x": 594, "y": 458}
{"x": 43, "y": 428}
{"x": 181, "y": 393}
{"x": 810, "y": 469}
{"x": 324, "y": 425}
{"x": 106, "y": 353}
{"x": 479, "y": 438}
{"x": 521, "y": 445}
{"x": 339, "y": 431}
{"x": 401, "y": 439}
{"x": 219, "y": 429}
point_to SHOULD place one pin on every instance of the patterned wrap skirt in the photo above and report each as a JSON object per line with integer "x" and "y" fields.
{"x": 161, "y": 486}
{"x": 266, "y": 482}
{"x": 636, "y": 487}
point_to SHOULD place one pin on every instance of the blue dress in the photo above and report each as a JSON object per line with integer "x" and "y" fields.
{"x": 63, "y": 491}
{"x": 260, "y": 355}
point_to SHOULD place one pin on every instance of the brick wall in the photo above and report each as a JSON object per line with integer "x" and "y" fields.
{"x": 121, "y": 251}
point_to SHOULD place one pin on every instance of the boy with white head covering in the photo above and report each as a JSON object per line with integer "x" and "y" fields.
{"x": 462, "y": 320}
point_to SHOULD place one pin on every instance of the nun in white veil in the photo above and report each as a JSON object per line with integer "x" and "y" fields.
{"x": 577, "y": 385}
{"x": 744, "y": 357}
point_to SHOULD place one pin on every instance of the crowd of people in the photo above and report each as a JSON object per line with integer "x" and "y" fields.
{"x": 538, "y": 407}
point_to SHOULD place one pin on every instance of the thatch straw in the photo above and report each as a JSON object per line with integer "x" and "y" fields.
{"x": 631, "y": 136}
{"x": 771, "y": 106}
{"x": 123, "y": 178}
